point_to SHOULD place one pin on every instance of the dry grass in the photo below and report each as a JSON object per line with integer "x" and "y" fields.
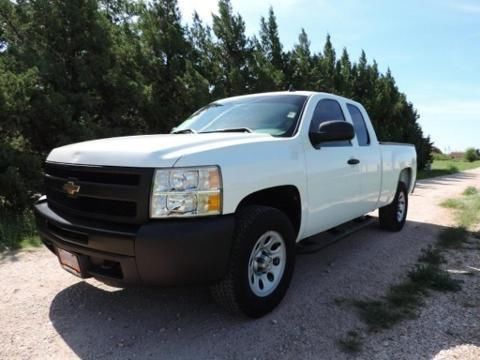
{"x": 467, "y": 208}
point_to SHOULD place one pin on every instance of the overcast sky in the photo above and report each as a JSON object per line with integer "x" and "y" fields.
{"x": 432, "y": 48}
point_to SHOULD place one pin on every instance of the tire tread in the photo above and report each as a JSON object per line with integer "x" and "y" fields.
{"x": 223, "y": 292}
{"x": 388, "y": 214}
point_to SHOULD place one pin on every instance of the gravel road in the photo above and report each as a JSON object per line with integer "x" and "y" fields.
{"x": 47, "y": 313}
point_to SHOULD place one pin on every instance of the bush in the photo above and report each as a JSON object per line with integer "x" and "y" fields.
{"x": 471, "y": 155}
{"x": 17, "y": 230}
{"x": 20, "y": 178}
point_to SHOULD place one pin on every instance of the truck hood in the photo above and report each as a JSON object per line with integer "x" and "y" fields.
{"x": 148, "y": 150}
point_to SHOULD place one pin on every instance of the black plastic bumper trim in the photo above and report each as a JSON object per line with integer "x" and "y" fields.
{"x": 160, "y": 252}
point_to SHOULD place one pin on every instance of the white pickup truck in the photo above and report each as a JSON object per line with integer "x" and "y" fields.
{"x": 224, "y": 198}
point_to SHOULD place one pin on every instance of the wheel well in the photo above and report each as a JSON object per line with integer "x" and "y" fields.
{"x": 406, "y": 177}
{"x": 285, "y": 198}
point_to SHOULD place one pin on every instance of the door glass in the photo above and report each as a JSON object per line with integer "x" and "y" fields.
{"x": 328, "y": 110}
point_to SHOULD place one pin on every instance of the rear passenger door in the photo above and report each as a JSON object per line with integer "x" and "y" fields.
{"x": 368, "y": 152}
{"x": 333, "y": 184}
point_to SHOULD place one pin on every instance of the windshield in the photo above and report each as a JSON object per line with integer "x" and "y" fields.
{"x": 276, "y": 115}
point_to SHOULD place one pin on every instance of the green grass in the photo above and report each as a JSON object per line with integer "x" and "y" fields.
{"x": 452, "y": 203}
{"x": 378, "y": 314}
{"x": 432, "y": 256}
{"x": 467, "y": 208}
{"x": 453, "y": 238}
{"x": 471, "y": 190}
{"x": 351, "y": 343}
{"x": 428, "y": 276}
{"x": 402, "y": 300}
{"x": 17, "y": 231}
{"x": 447, "y": 167}
{"x": 406, "y": 295}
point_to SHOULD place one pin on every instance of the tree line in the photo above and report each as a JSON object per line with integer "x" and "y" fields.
{"x": 85, "y": 69}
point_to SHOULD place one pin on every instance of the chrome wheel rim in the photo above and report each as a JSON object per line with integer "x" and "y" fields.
{"x": 402, "y": 205}
{"x": 267, "y": 263}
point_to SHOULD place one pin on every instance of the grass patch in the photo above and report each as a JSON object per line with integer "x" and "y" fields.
{"x": 17, "y": 231}
{"x": 378, "y": 314}
{"x": 452, "y": 203}
{"x": 406, "y": 295}
{"x": 402, "y": 300}
{"x": 467, "y": 208}
{"x": 471, "y": 190}
{"x": 453, "y": 238}
{"x": 425, "y": 276}
{"x": 447, "y": 167}
{"x": 351, "y": 343}
{"x": 339, "y": 301}
{"x": 432, "y": 256}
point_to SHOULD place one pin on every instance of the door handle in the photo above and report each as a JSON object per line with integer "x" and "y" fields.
{"x": 353, "y": 162}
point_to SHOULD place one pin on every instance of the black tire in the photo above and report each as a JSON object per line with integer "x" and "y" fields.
{"x": 388, "y": 215}
{"x": 234, "y": 292}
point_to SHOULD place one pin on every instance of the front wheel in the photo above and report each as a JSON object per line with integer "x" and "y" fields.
{"x": 261, "y": 262}
{"x": 392, "y": 217}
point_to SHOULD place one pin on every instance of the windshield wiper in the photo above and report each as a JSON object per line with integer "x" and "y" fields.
{"x": 184, "y": 131}
{"x": 239, "y": 129}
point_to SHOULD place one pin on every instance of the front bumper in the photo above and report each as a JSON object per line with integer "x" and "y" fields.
{"x": 160, "y": 252}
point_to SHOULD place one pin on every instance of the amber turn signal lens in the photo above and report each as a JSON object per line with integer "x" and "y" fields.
{"x": 214, "y": 203}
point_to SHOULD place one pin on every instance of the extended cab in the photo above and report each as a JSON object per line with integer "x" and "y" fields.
{"x": 224, "y": 198}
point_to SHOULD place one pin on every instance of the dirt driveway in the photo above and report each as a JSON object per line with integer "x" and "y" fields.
{"x": 47, "y": 313}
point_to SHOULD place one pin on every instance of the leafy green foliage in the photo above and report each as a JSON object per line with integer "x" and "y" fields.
{"x": 19, "y": 176}
{"x": 17, "y": 230}
{"x": 86, "y": 69}
{"x": 471, "y": 155}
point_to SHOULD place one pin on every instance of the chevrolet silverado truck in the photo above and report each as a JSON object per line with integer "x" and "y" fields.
{"x": 224, "y": 198}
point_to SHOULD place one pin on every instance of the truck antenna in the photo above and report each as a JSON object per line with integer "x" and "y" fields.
{"x": 290, "y": 88}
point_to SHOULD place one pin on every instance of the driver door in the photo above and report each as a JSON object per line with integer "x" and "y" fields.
{"x": 333, "y": 184}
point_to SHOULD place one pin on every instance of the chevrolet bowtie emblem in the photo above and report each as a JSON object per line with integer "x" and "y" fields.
{"x": 71, "y": 189}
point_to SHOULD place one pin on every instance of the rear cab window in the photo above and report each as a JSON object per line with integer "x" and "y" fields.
{"x": 361, "y": 131}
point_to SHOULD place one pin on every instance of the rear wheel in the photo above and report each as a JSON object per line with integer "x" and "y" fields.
{"x": 261, "y": 262}
{"x": 392, "y": 217}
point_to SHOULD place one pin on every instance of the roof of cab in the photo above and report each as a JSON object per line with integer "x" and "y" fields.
{"x": 293, "y": 92}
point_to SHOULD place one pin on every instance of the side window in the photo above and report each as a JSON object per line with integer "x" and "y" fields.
{"x": 328, "y": 110}
{"x": 359, "y": 125}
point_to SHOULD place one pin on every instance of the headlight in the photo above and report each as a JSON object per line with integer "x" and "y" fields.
{"x": 186, "y": 192}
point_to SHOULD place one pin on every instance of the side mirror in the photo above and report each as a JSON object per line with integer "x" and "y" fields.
{"x": 336, "y": 130}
